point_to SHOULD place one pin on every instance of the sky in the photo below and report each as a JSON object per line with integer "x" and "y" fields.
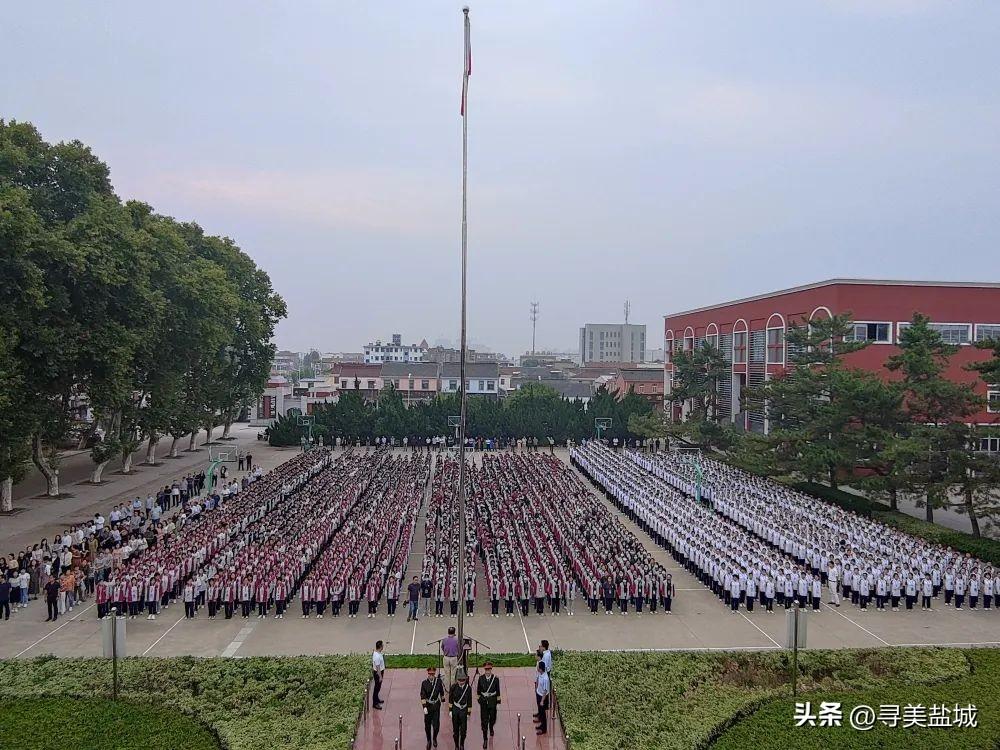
{"x": 674, "y": 154}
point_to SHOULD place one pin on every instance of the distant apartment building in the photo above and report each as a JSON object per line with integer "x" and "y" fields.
{"x": 647, "y": 383}
{"x": 612, "y": 342}
{"x": 415, "y": 381}
{"x": 482, "y": 378}
{"x": 366, "y": 379}
{"x": 395, "y": 351}
{"x": 285, "y": 362}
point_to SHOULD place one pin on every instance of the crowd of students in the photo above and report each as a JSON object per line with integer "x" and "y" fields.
{"x": 753, "y": 541}
{"x": 67, "y": 570}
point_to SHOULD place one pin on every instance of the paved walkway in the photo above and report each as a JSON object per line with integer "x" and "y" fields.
{"x": 401, "y": 693}
{"x": 44, "y": 516}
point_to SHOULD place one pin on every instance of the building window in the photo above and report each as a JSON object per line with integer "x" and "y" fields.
{"x": 371, "y": 385}
{"x": 482, "y": 386}
{"x": 452, "y": 385}
{"x": 740, "y": 347}
{"x": 987, "y": 331}
{"x": 343, "y": 383}
{"x": 989, "y": 444}
{"x": 490, "y": 385}
{"x": 642, "y": 388}
{"x": 993, "y": 402}
{"x": 775, "y": 346}
{"x": 712, "y": 341}
{"x": 425, "y": 385}
{"x": 411, "y": 384}
{"x": 877, "y": 333}
{"x": 951, "y": 333}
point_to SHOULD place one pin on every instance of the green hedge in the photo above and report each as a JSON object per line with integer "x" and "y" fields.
{"x": 300, "y": 702}
{"x": 681, "y": 701}
{"x": 773, "y": 727}
{"x": 847, "y": 500}
{"x": 987, "y": 550}
{"x": 72, "y": 723}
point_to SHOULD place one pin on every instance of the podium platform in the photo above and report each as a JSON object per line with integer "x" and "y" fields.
{"x": 401, "y": 696}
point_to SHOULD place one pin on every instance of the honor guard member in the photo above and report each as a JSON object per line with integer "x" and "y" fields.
{"x": 460, "y": 699}
{"x": 488, "y": 693}
{"x": 431, "y": 695}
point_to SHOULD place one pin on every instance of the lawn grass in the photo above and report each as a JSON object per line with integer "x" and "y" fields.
{"x": 297, "y": 702}
{"x": 61, "y": 723}
{"x": 684, "y": 701}
{"x": 772, "y": 726}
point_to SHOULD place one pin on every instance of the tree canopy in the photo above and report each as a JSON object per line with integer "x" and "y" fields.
{"x": 148, "y": 323}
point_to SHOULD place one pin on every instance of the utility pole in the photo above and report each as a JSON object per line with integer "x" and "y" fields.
{"x": 534, "y": 321}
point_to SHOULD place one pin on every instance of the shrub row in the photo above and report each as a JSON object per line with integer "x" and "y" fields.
{"x": 773, "y": 727}
{"x": 299, "y": 702}
{"x": 680, "y": 701}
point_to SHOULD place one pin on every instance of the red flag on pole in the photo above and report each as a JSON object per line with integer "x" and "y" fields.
{"x": 467, "y": 70}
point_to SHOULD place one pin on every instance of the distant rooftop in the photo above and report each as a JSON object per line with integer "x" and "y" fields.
{"x": 834, "y": 282}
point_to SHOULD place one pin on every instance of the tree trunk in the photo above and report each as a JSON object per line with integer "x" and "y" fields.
{"x": 833, "y": 476}
{"x": 929, "y": 508}
{"x": 227, "y": 425}
{"x": 7, "y": 495}
{"x": 173, "y": 446}
{"x": 208, "y": 432}
{"x": 193, "y": 440}
{"x": 151, "y": 448}
{"x": 970, "y": 509}
{"x": 127, "y": 463}
{"x": 95, "y": 477}
{"x": 41, "y": 462}
{"x": 893, "y": 498}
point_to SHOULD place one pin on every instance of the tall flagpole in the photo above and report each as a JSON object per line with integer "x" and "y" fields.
{"x": 462, "y": 530}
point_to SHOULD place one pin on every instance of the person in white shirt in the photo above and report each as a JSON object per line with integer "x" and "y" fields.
{"x": 378, "y": 672}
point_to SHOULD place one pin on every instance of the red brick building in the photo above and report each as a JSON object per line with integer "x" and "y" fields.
{"x": 646, "y": 383}
{"x": 751, "y": 332}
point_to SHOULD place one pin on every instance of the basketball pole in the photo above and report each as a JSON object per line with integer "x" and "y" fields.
{"x": 462, "y": 530}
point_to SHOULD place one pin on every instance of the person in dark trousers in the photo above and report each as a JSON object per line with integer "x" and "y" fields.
{"x": 431, "y": 695}
{"x": 4, "y": 597}
{"x": 413, "y": 591}
{"x": 52, "y": 599}
{"x": 488, "y": 693}
{"x": 460, "y": 699}
{"x": 378, "y": 672}
{"x": 542, "y": 689}
{"x": 426, "y": 590}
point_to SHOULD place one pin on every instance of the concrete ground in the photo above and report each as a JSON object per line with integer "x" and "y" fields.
{"x": 699, "y": 621}
{"x": 43, "y": 516}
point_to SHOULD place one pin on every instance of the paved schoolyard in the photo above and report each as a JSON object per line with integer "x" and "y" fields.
{"x": 699, "y": 621}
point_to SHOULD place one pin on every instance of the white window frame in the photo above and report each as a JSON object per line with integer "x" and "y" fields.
{"x": 901, "y": 325}
{"x": 875, "y": 322}
{"x": 993, "y": 396}
{"x": 975, "y": 329}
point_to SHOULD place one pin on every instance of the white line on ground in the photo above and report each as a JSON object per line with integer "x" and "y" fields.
{"x": 413, "y": 639}
{"x": 53, "y": 631}
{"x": 685, "y": 648}
{"x": 760, "y": 631}
{"x": 527, "y": 643}
{"x": 882, "y": 640}
{"x": 164, "y": 635}
{"x": 244, "y": 633}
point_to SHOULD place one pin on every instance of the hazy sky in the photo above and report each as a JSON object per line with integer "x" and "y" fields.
{"x": 671, "y": 153}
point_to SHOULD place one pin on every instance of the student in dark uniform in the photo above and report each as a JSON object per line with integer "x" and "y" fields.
{"x": 431, "y": 695}
{"x": 460, "y": 699}
{"x": 488, "y": 693}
